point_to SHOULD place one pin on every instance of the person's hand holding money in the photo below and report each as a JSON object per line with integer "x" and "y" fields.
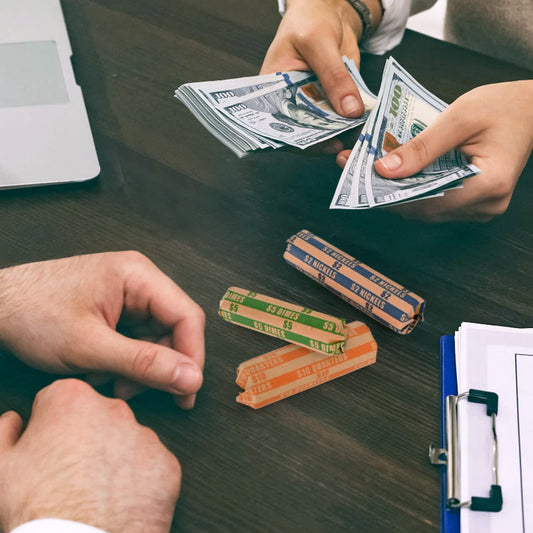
{"x": 314, "y": 35}
{"x": 493, "y": 126}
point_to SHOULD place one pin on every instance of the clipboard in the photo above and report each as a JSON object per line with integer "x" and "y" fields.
{"x": 447, "y": 455}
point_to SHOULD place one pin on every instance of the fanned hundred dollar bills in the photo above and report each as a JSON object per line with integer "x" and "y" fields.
{"x": 270, "y": 111}
{"x": 402, "y": 110}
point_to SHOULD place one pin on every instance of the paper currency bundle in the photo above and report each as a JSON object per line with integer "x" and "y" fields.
{"x": 360, "y": 285}
{"x": 296, "y": 324}
{"x": 270, "y": 111}
{"x": 293, "y": 369}
{"x": 403, "y": 109}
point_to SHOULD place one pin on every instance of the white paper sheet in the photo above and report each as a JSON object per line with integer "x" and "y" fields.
{"x": 499, "y": 360}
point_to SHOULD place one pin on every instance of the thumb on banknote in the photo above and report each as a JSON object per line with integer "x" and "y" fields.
{"x": 325, "y": 60}
{"x": 437, "y": 139}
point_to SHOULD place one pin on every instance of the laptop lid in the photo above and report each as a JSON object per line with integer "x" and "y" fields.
{"x": 45, "y": 135}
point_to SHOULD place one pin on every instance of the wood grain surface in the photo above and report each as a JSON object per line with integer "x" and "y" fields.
{"x": 349, "y": 455}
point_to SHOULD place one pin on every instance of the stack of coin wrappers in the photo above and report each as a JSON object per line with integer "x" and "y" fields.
{"x": 363, "y": 287}
{"x": 299, "y": 325}
{"x": 293, "y": 369}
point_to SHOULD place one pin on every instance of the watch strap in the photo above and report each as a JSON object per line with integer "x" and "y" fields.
{"x": 364, "y": 14}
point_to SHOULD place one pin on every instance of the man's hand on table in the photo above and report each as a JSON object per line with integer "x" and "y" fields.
{"x": 60, "y": 316}
{"x": 84, "y": 457}
{"x": 493, "y": 126}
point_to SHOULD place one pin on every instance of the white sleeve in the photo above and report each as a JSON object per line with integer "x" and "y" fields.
{"x": 55, "y": 525}
{"x": 390, "y": 31}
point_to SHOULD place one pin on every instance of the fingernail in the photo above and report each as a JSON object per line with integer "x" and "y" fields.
{"x": 341, "y": 161}
{"x": 391, "y": 162}
{"x": 186, "y": 402}
{"x": 187, "y": 378}
{"x": 351, "y": 106}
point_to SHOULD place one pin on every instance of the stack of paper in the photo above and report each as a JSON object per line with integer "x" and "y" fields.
{"x": 496, "y": 359}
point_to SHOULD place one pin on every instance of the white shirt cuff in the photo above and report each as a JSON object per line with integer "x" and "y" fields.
{"x": 391, "y": 29}
{"x": 55, "y": 525}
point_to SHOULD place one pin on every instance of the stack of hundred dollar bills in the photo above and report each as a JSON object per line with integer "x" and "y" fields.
{"x": 270, "y": 111}
{"x": 403, "y": 109}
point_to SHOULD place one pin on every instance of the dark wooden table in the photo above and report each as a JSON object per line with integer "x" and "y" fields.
{"x": 349, "y": 455}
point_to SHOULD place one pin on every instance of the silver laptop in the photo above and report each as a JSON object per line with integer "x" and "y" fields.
{"x": 45, "y": 135}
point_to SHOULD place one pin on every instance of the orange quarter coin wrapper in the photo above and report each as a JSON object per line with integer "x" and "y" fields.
{"x": 299, "y": 325}
{"x": 360, "y": 285}
{"x": 293, "y": 369}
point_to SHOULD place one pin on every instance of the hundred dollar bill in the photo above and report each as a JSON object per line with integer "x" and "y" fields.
{"x": 202, "y": 98}
{"x": 270, "y": 111}
{"x": 403, "y": 109}
{"x": 350, "y": 192}
{"x": 349, "y": 178}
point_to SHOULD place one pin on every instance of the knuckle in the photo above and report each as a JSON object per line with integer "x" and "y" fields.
{"x": 466, "y": 112}
{"x": 303, "y": 36}
{"x": 173, "y": 467}
{"x": 497, "y": 191}
{"x": 166, "y": 461}
{"x": 502, "y": 190}
{"x": 336, "y": 77}
{"x": 198, "y": 313}
{"x": 133, "y": 257}
{"x": 71, "y": 387}
{"x": 144, "y": 360}
{"x": 120, "y": 409}
{"x": 419, "y": 150}
{"x": 151, "y": 436}
{"x": 497, "y": 208}
{"x": 10, "y": 417}
{"x": 65, "y": 391}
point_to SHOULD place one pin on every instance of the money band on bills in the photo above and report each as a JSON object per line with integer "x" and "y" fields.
{"x": 293, "y": 323}
{"x": 293, "y": 369}
{"x": 361, "y": 286}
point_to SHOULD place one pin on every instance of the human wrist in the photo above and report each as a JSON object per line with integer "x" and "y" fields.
{"x": 370, "y": 13}
{"x": 342, "y": 8}
{"x": 350, "y": 11}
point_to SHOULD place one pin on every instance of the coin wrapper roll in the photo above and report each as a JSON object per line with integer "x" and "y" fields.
{"x": 293, "y": 369}
{"x": 360, "y": 285}
{"x": 296, "y": 324}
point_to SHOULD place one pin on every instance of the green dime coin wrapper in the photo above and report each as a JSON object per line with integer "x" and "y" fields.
{"x": 293, "y": 323}
{"x": 360, "y": 285}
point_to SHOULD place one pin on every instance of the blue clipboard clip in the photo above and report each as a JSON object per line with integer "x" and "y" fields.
{"x": 449, "y": 456}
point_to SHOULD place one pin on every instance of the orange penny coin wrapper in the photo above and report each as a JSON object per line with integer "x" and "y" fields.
{"x": 360, "y": 285}
{"x": 293, "y": 369}
{"x": 296, "y": 324}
